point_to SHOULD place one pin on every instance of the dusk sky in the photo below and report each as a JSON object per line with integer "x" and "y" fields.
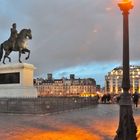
{"x": 81, "y": 37}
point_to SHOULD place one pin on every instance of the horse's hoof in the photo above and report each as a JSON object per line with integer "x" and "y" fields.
{"x": 20, "y": 61}
{"x": 27, "y": 58}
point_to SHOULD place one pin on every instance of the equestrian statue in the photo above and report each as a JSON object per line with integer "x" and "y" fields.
{"x": 17, "y": 42}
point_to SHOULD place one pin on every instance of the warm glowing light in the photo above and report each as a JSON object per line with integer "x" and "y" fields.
{"x": 125, "y": 5}
{"x": 100, "y": 130}
{"x": 88, "y": 94}
{"x": 125, "y": 1}
{"x": 67, "y": 134}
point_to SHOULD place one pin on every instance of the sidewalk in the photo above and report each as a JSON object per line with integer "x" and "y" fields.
{"x": 96, "y": 123}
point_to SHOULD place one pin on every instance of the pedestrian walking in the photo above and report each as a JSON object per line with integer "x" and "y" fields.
{"x": 136, "y": 99}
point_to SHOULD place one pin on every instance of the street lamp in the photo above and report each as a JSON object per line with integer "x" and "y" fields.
{"x": 127, "y": 129}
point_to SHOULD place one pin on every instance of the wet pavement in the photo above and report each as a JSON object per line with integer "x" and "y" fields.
{"x": 97, "y": 123}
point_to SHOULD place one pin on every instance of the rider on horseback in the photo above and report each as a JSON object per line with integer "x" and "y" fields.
{"x": 17, "y": 42}
{"x": 13, "y": 36}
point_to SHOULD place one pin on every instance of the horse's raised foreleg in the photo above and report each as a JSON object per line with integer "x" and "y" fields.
{"x": 26, "y": 50}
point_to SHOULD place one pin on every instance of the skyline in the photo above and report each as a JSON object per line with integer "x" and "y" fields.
{"x": 83, "y": 37}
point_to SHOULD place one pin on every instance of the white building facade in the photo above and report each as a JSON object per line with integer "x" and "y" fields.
{"x": 113, "y": 80}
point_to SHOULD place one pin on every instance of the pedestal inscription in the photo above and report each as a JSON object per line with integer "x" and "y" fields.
{"x": 10, "y": 78}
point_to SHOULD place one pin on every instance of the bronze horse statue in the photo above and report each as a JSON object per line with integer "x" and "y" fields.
{"x": 20, "y": 45}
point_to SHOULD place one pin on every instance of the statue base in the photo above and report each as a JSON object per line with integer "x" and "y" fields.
{"x": 16, "y": 81}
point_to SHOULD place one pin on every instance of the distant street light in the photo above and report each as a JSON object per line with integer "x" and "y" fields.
{"x": 127, "y": 129}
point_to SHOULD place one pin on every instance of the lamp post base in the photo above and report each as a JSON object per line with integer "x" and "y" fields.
{"x": 127, "y": 128}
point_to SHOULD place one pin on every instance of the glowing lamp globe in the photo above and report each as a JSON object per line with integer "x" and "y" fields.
{"x": 125, "y": 5}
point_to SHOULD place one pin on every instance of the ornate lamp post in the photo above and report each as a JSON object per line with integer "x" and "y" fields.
{"x": 127, "y": 129}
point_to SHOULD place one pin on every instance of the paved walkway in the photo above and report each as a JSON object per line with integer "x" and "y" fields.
{"x": 96, "y": 123}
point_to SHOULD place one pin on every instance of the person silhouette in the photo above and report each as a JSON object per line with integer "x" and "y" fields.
{"x": 136, "y": 99}
{"x": 13, "y": 35}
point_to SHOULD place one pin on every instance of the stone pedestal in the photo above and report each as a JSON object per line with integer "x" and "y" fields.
{"x": 16, "y": 81}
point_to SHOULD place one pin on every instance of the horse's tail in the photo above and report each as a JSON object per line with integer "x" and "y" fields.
{"x": 1, "y": 51}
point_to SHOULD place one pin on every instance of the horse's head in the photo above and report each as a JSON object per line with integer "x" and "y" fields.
{"x": 29, "y": 33}
{"x": 23, "y": 36}
{"x": 26, "y": 33}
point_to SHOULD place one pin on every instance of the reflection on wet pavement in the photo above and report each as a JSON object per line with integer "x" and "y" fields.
{"x": 86, "y": 124}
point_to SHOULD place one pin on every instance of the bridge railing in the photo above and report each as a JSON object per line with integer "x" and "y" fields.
{"x": 44, "y": 105}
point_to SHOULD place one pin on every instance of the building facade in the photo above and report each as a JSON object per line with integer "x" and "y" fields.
{"x": 66, "y": 87}
{"x": 113, "y": 80}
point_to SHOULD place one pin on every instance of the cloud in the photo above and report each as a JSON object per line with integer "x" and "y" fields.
{"x": 69, "y": 33}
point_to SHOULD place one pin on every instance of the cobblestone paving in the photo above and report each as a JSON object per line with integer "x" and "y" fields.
{"x": 97, "y": 123}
